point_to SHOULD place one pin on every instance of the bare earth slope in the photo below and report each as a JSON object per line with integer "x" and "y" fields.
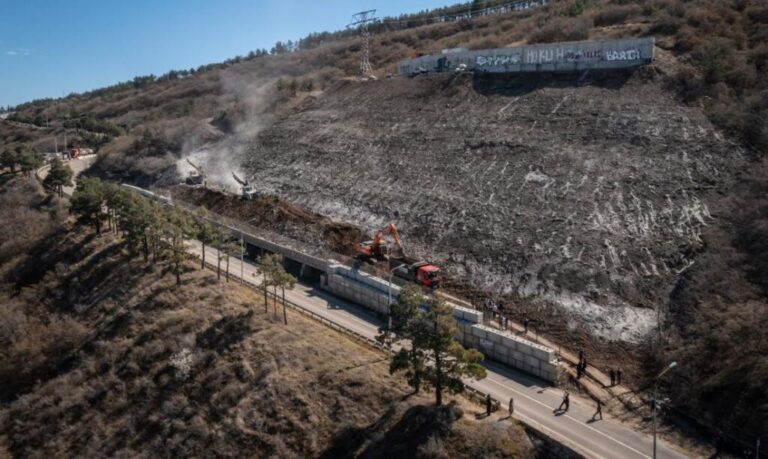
{"x": 588, "y": 191}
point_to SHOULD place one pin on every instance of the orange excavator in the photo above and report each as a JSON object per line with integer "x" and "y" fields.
{"x": 376, "y": 251}
{"x": 421, "y": 272}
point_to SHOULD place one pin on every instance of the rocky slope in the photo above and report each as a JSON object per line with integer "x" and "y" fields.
{"x": 588, "y": 192}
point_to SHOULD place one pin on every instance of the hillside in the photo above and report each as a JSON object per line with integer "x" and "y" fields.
{"x": 104, "y": 356}
{"x": 625, "y": 212}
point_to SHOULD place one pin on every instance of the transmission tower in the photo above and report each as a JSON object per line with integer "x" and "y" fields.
{"x": 361, "y": 20}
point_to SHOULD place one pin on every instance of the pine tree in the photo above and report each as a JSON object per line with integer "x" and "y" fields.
{"x": 59, "y": 176}
{"x": 205, "y": 234}
{"x": 403, "y": 315}
{"x": 268, "y": 268}
{"x": 87, "y": 202}
{"x": 28, "y": 158}
{"x": 429, "y": 326}
{"x": 176, "y": 230}
{"x": 9, "y": 159}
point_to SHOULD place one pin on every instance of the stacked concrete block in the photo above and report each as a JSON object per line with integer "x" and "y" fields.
{"x": 466, "y": 314}
{"x": 509, "y": 349}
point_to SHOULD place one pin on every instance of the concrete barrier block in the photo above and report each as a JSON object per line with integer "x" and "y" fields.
{"x": 532, "y": 361}
{"x": 479, "y": 332}
{"x": 543, "y": 354}
{"x": 524, "y": 348}
{"x": 501, "y": 350}
{"x": 496, "y": 338}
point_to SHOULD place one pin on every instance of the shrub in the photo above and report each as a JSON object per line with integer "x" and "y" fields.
{"x": 713, "y": 61}
{"x": 576, "y": 8}
{"x": 667, "y": 25}
{"x": 616, "y": 15}
{"x": 562, "y": 30}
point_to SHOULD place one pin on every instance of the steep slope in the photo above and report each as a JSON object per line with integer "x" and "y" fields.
{"x": 102, "y": 355}
{"x": 586, "y": 192}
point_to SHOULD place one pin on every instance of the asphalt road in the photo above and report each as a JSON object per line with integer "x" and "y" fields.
{"x": 77, "y": 165}
{"x": 534, "y": 399}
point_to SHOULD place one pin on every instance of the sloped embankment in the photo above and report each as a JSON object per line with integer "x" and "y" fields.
{"x": 585, "y": 192}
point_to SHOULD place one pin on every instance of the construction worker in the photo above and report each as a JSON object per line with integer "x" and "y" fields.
{"x": 488, "y": 404}
{"x": 599, "y": 411}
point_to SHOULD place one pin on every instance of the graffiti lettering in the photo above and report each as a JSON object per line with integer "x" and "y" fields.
{"x": 495, "y": 61}
{"x": 629, "y": 55}
{"x": 561, "y": 55}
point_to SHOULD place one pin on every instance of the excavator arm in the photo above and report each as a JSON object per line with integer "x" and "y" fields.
{"x": 239, "y": 180}
{"x": 373, "y": 248}
{"x": 196, "y": 167}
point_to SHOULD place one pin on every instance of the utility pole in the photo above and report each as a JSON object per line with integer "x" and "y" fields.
{"x": 361, "y": 20}
{"x": 655, "y": 401}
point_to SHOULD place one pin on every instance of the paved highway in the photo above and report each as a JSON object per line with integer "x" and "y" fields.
{"x": 534, "y": 399}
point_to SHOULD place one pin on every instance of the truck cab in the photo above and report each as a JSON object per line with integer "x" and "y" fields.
{"x": 428, "y": 276}
{"x": 425, "y": 274}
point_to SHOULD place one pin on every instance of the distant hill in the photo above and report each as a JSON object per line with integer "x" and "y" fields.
{"x": 671, "y": 217}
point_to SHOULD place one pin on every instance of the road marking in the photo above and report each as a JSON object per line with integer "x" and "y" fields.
{"x": 556, "y": 435}
{"x": 567, "y": 416}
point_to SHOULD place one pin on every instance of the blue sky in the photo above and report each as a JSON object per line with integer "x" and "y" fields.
{"x": 49, "y": 48}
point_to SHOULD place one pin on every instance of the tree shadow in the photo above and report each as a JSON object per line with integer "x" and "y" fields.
{"x": 389, "y": 437}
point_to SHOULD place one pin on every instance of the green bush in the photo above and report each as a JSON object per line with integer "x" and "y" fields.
{"x": 713, "y": 61}
{"x": 576, "y": 8}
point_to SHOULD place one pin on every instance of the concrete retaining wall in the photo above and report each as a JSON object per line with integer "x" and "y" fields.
{"x": 504, "y": 347}
{"x": 555, "y": 57}
{"x": 510, "y": 349}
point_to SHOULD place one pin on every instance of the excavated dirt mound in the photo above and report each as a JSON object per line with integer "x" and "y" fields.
{"x": 273, "y": 214}
{"x": 584, "y": 192}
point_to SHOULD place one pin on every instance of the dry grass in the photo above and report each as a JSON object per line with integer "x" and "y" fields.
{"x": 103, "y": 355}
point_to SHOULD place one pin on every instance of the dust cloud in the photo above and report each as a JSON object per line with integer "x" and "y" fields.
{"x": 248, "y": 113}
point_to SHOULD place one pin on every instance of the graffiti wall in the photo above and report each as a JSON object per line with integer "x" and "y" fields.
{"x": 558, "y": 57}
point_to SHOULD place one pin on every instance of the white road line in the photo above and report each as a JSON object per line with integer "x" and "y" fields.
{"x": 568, "y": 417}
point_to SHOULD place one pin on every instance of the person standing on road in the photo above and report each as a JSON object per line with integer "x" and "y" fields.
{"x": 511, "y": 406}
{"x": 599, "y": 411}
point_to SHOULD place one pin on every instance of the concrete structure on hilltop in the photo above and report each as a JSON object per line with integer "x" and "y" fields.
{"x": 555, "y": 57}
